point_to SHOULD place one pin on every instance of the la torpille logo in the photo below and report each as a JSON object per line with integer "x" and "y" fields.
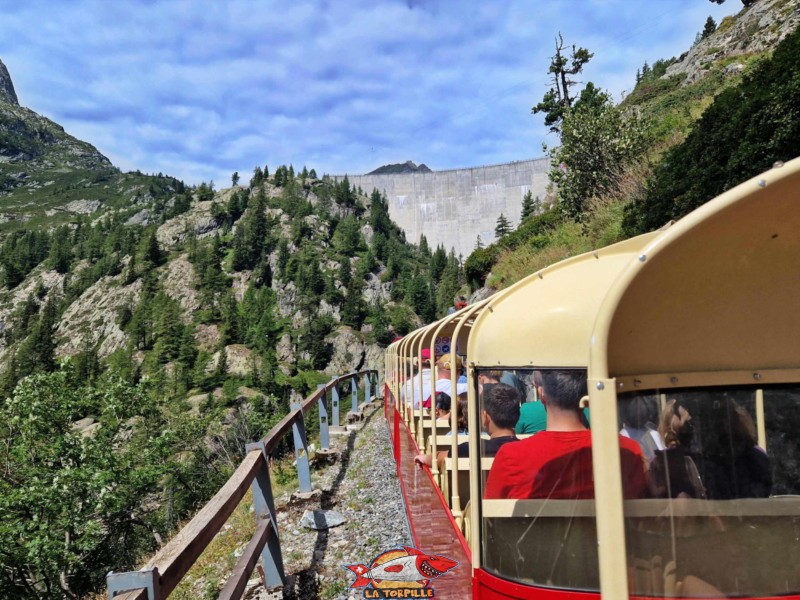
{"x": 400, "y": 573}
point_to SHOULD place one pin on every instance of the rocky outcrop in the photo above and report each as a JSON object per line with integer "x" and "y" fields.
{"x": 240, "y": 282}
{"x": 179, "y": 284}
{"x": 351, "y": 351}
{"x": 406, "y": 167}
{"x": 755, "y": 29}
{"x": 239, "y": 360}
{"x": 196, "y": 221}
{"x": 92, "y": 318}
{"x": 52, "y": 282}
{"x": 143, "y": 218}
{"x": 377, "y": 291}
{"x": 7, "y": 93}
{"x": 207, "y": 336}
{"x": 83, "y": 207}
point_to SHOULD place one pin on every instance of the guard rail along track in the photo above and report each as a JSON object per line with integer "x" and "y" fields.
{"x": 162, "y": 574}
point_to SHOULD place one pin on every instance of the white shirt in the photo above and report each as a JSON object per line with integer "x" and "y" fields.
{"x": 411, "y": 387}
{"x": 445, "y": 385}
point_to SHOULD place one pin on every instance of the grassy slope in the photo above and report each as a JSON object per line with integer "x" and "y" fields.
{"x": 670, "y": 109}
{"x": 43, "y": 169}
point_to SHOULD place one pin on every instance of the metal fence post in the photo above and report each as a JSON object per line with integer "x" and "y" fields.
{"x": 264, "y": 504}
{"x": 301, "y": 450}
{"x": 354, "y": 389}
{"x": 335, "y": 404}
{"x": 324, "y": 438}
{"x": 146, "y": 579}
{"x": 367, "y": 388}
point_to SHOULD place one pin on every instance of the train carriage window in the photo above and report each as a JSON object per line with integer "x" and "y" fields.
{"x": 538, "y": 510}
{"x": 723, "y": 498}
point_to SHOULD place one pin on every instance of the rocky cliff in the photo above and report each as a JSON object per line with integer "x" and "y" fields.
{"x": 7, "y": 93}
{"x": 756, "y": 29}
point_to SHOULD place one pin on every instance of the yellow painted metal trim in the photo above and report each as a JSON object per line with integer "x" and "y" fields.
{"x": 666, "y": 381}
{"x": 760, "y": 421}
{"x": 608, "y": 489}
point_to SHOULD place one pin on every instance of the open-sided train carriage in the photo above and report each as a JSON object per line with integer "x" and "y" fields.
{"x": 697, "y": 323}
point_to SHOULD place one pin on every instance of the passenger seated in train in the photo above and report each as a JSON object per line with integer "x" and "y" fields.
{"x": 443, "y": 383}
{"x": 461, "y": 415}
{"x": 673, "y": 472}
{"x": 639, "y": 418}
{"x": 532, "y": 414}
{"x": 443, "y": 405}
{"x": 410, "y": 391}
{"x": 499, "y": 416}
{"x": 557, "y": 462}
{"x": 730, "y": 461}
{"x": 487, "y": 380}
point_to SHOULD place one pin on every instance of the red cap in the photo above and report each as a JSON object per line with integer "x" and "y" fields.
{"x": 426, "y": 354}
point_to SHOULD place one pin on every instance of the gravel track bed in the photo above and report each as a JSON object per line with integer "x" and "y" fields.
{"x": 363, "y": 486}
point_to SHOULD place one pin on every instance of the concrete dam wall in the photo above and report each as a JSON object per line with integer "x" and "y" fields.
{"x": 454, "y": 207}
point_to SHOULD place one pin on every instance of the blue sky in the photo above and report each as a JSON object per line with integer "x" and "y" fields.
{"x": 199, "y": 89}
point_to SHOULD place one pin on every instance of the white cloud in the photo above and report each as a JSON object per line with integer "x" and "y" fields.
{"x": 198, "y": 90}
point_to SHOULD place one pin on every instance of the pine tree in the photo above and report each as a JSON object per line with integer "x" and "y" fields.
{"x": 152, "y": 256}
{"x": 258, "y": 177}
{"x": 709, "y": 28}
{"x": 231, "y": 328}
{"x": 240, "y": 259}
{"x": 235, "y": 178}
{"x": 559, "y": 98}
{"x": 283, "y": 258}
{"x": 503, "y": 227}
{"x": 354, "y": 309}
{"x": 60, "y": 250}
{"x": 221, "y": 370}
{"x": 423, "y": 245}
{"x": 478, "y": 242}
{"x": 40, "y": 346}
{"x": 529, "y": 206}
{"x": 345, "y": 274}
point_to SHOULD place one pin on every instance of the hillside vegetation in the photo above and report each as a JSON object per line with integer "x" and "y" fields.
{"x": 692, "y": 128}
{"x": 149, "y": 330}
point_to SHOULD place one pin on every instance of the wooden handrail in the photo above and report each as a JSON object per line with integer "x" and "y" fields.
{"x": 176, "y": 558}
{"x": 282, "y": 427}
{"x": 237, "y": 582}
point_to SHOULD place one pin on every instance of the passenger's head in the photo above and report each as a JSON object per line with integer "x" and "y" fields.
{"x": 675, "y": 425}
{"x": 442, "y": 404}
{"x": 730, "y": 429}
{"x": 444, "y": 366}
{"x": 490, "y": 376}
{"x": 463, "y": 405}
{"x": 501, "y": 405}
{"x": 425, "y": 354}
{"x": 563, "y": 389}
{"x": 488, "y": 379}
{"x": 639, "y": 410}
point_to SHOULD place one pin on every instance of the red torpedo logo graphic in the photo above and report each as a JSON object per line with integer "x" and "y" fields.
{"x": 415, "y": 566}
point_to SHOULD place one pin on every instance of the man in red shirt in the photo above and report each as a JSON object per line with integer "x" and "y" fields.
{"x": 557, "y": 463}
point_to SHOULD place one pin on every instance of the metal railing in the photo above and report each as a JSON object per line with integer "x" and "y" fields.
{"x": 162, "y": 574}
